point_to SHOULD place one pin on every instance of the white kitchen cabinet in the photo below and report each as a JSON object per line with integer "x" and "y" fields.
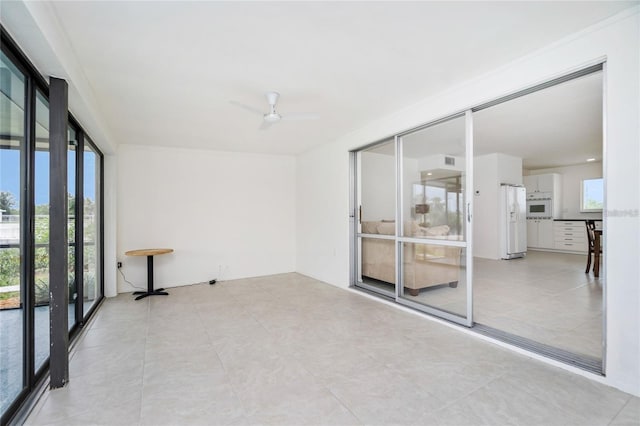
{"x": 549, "y": 182}
{"x": 540, "y": 233}
{"x": 570, "y": 235}
{"x": 545, "y": 233}
{"x": 532, "y": 233}
{"x": 531, "y": 183}
{"x": 545, "y": 186}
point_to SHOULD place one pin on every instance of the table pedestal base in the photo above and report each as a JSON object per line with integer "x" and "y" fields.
{"x": 150, "y": 290}
{"x": 144, "y": 294}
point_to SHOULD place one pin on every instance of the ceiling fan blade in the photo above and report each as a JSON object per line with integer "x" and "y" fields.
{"x": 247, "y": 107}
{"x": 265, "y": 125}
{"x": 301, "y": 116}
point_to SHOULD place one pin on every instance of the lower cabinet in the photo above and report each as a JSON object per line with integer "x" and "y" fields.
{"x": 540, "y": 233}
{"x": 570, "y": 235}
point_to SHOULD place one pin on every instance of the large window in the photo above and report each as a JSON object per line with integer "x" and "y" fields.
{"x": 12, "y": 309}
{"x": 25, "y": 247}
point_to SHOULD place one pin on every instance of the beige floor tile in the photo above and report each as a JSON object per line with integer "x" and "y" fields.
{"x": 384, "y": 397}
{"x": 586, "y": 401}
{"x": 629, "y": 415}
{"x": 289, "y": 350}
{"x": 501, "y": 403}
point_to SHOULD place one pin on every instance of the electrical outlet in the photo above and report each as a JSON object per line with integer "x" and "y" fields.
{"x": 119, "y": 265}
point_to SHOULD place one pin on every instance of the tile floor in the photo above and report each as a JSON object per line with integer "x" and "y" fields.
{"x": 545, "y": 297}
{"x": 290, "y": 350}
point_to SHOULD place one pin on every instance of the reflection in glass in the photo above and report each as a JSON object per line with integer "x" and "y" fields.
{"x": 379, "y": 264}
{"x": 433, "y": 189}
{"x": 377, "y": 204}
{"x": 434, "y": 275}
{"x": 71, "y": 222}
{"x": 91, "y": 243}
{"x": 434, "y": 172}
{"x": 12, "y": 143}
{"x": 378, "y": 183}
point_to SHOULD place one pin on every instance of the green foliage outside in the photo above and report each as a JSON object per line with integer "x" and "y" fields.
{"x": 438, "y": 215}
{"x": 7, "y": 203}
{"x": 10, "y": 257}
{"x": 594, "y": 204}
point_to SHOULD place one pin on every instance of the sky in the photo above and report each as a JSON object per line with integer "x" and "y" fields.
{"x": 10, "y": 174}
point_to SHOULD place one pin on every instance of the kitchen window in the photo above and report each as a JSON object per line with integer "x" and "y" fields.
{"x": 592, "y": 195}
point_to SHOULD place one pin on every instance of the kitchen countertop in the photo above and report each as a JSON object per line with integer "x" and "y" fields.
{"x": 574, "y": 220}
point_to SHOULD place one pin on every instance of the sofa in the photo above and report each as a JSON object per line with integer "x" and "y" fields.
{"x": 425, "y": 265}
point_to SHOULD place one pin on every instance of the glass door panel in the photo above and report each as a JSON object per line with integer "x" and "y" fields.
{"x": 435, "y": 276}
{"x": 376, "y": 201}
{"x": 41, "y": 226}
{"x": 91, "y": 244}
{"x": 71, "y": 224}
{"x": 12, "y": 281}
{"x": 434, "y": 239}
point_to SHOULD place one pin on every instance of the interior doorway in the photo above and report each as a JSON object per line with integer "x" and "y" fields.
{"x": 549, "y": 141}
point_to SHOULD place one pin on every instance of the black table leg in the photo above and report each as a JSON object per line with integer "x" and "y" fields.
{"x": 150, "y": 291}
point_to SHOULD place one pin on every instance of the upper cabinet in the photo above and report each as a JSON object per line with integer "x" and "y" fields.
{"x": 546, "y": 186}
{"x": 549, "y": 182}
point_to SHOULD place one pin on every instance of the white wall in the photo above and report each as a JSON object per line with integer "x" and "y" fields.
{"x": 322, "y": 214}
{"x": 489, "y": 171}
{"x": 226, "y": 215}
{"x": 571, "y": 181}
{"x": 485, "y": 207}
{"x": 323, "y": 174}
{"x": 110, "y": 224}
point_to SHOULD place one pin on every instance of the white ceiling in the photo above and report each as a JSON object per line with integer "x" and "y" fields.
{"x": 557, "y": 126}
{"x": 165, "y": 73}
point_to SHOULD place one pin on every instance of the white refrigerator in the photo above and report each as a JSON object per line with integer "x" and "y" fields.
{"x": 513, "y": 221}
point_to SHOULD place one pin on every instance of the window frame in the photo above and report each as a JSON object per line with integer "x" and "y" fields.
{"x": 36, "y": 82}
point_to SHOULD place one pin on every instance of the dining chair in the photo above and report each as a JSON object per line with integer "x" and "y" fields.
{"x": 591, "y": 236}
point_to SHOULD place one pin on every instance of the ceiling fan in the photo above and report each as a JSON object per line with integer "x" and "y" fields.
{"x": 273, "y": 116}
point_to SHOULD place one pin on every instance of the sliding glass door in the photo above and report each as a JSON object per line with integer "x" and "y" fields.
{"x": 433, "y": 240}
{"x": 377, "y": 218}
{"x": 41, "y": 232}
{"x": 413, "y": 227}
{"x": 415, "y": 195}
{"x": 91, "y": 253}
{"x": 12, "y": 245}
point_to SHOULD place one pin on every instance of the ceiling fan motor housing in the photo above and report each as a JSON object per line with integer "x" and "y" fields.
{"x": 272, "y": 116}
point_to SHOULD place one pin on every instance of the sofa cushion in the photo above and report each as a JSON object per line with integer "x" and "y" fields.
{"x": 387, "y": 228}
{"x": 370, "y": 227}
{"x": 437, "y": 231}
